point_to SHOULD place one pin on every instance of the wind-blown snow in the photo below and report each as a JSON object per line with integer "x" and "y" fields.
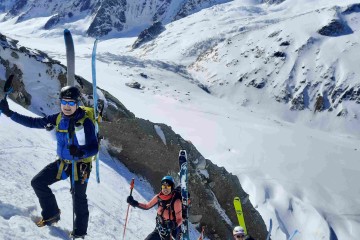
{"x": 300, "y": 169}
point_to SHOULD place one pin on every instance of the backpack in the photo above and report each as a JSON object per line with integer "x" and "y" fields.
{"x": 176, "y": 196}
{"x": 89, "y": 113}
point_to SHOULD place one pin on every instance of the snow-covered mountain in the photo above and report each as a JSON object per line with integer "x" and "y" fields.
{"x": 239, "y": 80}
{"x": 303, "y": 60}
{"x": 104, "y": 17}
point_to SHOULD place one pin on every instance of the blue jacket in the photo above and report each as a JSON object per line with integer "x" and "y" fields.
{"x": 90, "y": 147}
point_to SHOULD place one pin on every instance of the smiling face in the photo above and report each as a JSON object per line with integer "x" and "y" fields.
{"x": 68, "y": 106}
{"x": 239, "y": 237}
{"x": 166, "y": 188}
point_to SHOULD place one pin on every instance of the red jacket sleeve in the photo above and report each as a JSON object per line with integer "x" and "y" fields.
{"x": 149, "y": 204}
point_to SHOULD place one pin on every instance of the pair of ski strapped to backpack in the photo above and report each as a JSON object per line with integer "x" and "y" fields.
{"x": 89, "y": 113}
{"x": 161, "y": 224}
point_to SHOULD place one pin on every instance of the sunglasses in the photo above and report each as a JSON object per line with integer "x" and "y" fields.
{"x": 70, "y": 103}
{"x": 163, "y": 186}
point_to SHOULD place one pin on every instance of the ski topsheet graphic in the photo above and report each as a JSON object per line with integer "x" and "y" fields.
{"x": 184, "y": 192}
{"x": 239, "y": 213}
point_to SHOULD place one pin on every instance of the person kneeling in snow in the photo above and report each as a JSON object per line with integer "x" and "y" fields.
{"x": 79, "y": 144}
{"x": 169, "y": 212}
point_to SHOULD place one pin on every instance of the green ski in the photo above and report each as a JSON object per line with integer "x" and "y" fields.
{"x": 239, "y": 213}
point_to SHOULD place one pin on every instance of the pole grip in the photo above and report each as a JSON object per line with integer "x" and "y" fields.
{"x": 132, "y": 184}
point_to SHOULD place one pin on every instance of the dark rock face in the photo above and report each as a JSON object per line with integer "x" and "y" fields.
{"x": 161, "y": 10}
{"x": 134, "y": 85}
{"x": 354, "y": 8}
{"x": 17, "y": 7}
{"x": 205, "y": 88}
{"x": 297, "y": 103}
{"x": 257, "y": 83}
{"x": 335, "y": 28}
{"x": 52, "y": 21}
{"x": 143, "y": 152}
{"x": 110, "y": 15}
{"x": 279, "y": 54}
{"x": 285, "y": 43}
{"x": 84, "y": 5}
{"x": 192, "y": 6}
{"x": 319, "y": 104}
{"x": 148, "y": 34}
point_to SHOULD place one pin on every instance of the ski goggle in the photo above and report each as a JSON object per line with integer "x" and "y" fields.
{"x": 163, "y": 186}
{"x": 70, "y": 103}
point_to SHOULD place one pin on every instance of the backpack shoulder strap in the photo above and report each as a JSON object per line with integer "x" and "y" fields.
{"x": 89, "y": 113}
{"x": 176, "y": 196}
{"x": 58, "y": 119}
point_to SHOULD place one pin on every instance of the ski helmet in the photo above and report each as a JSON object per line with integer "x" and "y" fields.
{"x": 238, "y": 230}
{"x": 169, "y": 180}
{"x": 70, "y": 92}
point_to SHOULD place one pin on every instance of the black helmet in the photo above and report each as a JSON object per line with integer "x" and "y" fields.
{"x": 69, "y": 92}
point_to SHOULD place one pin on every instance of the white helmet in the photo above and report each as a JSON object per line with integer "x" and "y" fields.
{"x": 238, "y": 230}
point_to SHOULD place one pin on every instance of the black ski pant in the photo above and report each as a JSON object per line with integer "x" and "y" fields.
{"x": 46, "y": 177}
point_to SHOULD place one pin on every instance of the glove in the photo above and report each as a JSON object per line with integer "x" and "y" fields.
{"x": 130, "y": 200}
{"x": 75, "y": 151}
{"x": 171, "y": 225}
{"x": 4, "y": 107}
{"x": 49, "y": 127}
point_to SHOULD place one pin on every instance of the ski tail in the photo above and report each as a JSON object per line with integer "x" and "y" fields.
{"x": 96, "y": 112}
{"x": 293, "y": 235}
{"x": 239, "y": 213}
{"x": 70, "y": 57}
{"x": 270, "y": 229}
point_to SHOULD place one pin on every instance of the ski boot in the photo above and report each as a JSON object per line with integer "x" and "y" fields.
{"x": 74, "y": 235}
{"x": 48, "y": 222}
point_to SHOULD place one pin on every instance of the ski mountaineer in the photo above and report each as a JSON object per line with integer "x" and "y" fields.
{"x": 169, "y": 212}
{"x": 79, "y": 146}
{"x": 239, "y": 234}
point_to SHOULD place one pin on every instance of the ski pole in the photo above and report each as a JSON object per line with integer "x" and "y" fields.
{"x": 202, "y": 233}
{"x": 8, "y": 87}
{"x": 71, "y": 132}
{"x": 127, "y": 212}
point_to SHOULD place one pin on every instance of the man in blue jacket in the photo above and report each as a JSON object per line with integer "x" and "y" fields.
{"x": 76, "y": 140}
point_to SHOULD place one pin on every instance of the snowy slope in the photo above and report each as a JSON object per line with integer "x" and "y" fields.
{"x": 299, "y": 169}
{"x": 21, "y": 157}
{"x": 26, "y": 154}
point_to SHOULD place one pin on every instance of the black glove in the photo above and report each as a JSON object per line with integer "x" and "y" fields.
{"x": 49, "y": 127}
{"x": 75, "y": 151}
{"x": 130, "y": 200}
{"x": 171, "y": 225}
{"x": 4, "y": 107}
